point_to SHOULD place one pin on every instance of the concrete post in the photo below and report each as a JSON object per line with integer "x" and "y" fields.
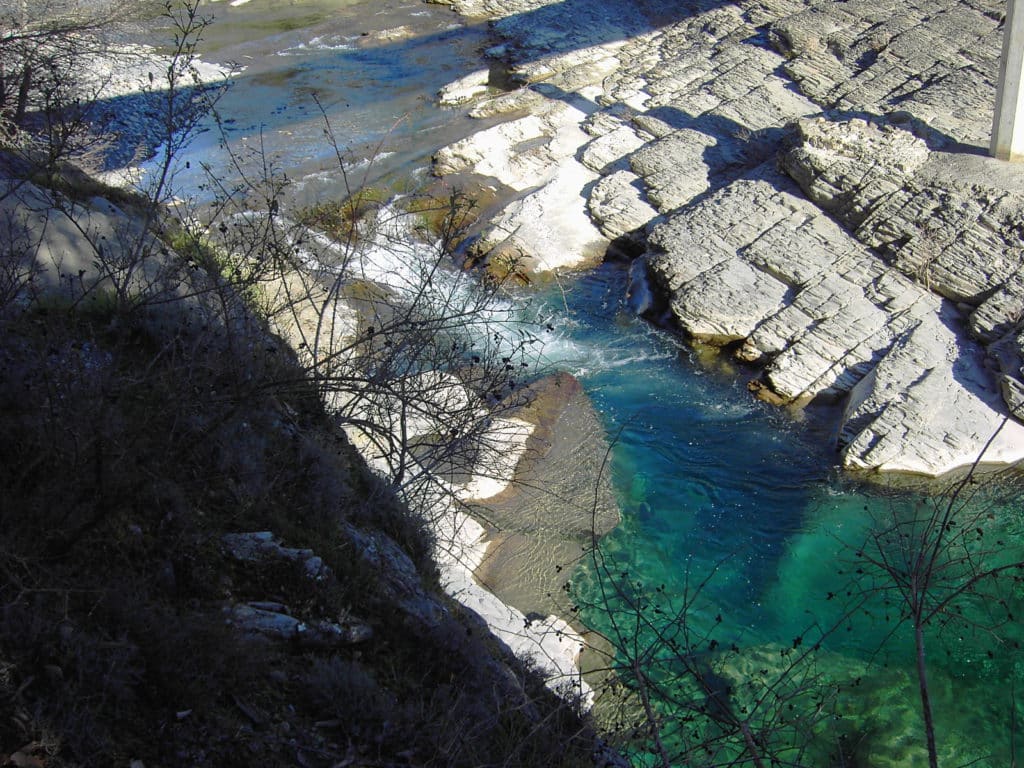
{"x": 1008, "y": 123}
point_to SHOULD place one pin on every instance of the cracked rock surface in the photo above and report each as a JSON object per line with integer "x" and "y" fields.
{"x": 812, "y": 184}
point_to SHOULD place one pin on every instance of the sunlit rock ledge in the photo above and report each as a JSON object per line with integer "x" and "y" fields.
{"x": 811, "y": 187}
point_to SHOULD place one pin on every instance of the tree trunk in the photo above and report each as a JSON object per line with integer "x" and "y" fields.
{"x": 3, "y": 89}
{"x": 926, "y": 700}
{"x": 23, "y": 91}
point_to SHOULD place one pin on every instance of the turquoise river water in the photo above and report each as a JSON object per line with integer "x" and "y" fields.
{"x": 729, "y": 505}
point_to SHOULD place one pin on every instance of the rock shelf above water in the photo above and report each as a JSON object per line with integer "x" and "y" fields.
{"x": 810, "y": 183}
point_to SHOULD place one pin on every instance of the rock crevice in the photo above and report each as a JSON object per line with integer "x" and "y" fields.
{"x": 807, "y": 181}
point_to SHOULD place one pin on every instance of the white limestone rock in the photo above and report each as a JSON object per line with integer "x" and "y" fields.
{"x": 727, "y": 302}
{"x": 846, "y": 167}
{"x": 676, "y": 168}
{"x": 618, "y": 205}
{"x": 936, "y": 60}
{"x": 610, "y": 151}
{"x": 827, "y": 317}
{"x": 518, "y": 101}
{"x": 550, "y": 228}
{"x": 844, "y": 331}
{"x": 950, "y": 223}
{"x": 497, "y": 152}
{"x": 696, "y": 258}
{"x": 696, "y": 108}
{"x": 465, "y": 89}
{"x": 930, "y": 406}
{"x": 522, "y": 154}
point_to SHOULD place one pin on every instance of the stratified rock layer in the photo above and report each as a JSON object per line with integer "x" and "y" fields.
{"x": 864, "y": 254}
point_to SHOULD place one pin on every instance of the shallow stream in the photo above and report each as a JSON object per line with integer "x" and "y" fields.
{"x": 713, "y": 485}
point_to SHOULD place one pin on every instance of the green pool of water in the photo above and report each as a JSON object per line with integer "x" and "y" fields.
{"x": 737, "y": 560}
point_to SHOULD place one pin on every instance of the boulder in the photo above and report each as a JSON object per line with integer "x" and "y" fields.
{"x": 893, "y": 422}
{"x": 269, "y": 621}
{"x": 618, "y": 205}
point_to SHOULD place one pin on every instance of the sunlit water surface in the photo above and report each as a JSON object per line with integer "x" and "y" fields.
{"x": 735, "y": 505}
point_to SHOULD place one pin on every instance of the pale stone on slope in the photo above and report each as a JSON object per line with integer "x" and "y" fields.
{"x": 550, "y": 227}
{"x": 307, "y": 314}
{"x": 79, "y": 251}
{"x": 930, "y": 406}
{"x": 618, "y": 205}
{"x": 550, "y": 643}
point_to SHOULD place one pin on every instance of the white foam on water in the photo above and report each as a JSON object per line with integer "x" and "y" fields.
{"x": 403, "y": 265}
{"x": 319, "y": 45}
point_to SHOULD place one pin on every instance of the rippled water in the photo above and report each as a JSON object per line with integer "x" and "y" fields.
{"x": 373, "y": 67}
{"x": 712, "y": 483}
{"x": 716, "y": 486}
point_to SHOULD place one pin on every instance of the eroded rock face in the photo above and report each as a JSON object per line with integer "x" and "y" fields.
{"x": 952, "y": 223}
{"x": 882, "y": 246}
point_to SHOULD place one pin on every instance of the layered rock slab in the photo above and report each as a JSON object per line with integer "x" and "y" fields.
{"x": 934, "y": 58}
{"x": 756, "y": 264}
{"x": 949, "y": 221}
{"x": 697, "y": 103}
{"x": 930, "y": 406}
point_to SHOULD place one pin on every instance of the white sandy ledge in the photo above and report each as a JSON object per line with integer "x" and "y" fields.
{"x": 550, "y": 644}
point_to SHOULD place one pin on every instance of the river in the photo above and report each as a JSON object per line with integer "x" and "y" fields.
{"x": 730, "y": 506}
